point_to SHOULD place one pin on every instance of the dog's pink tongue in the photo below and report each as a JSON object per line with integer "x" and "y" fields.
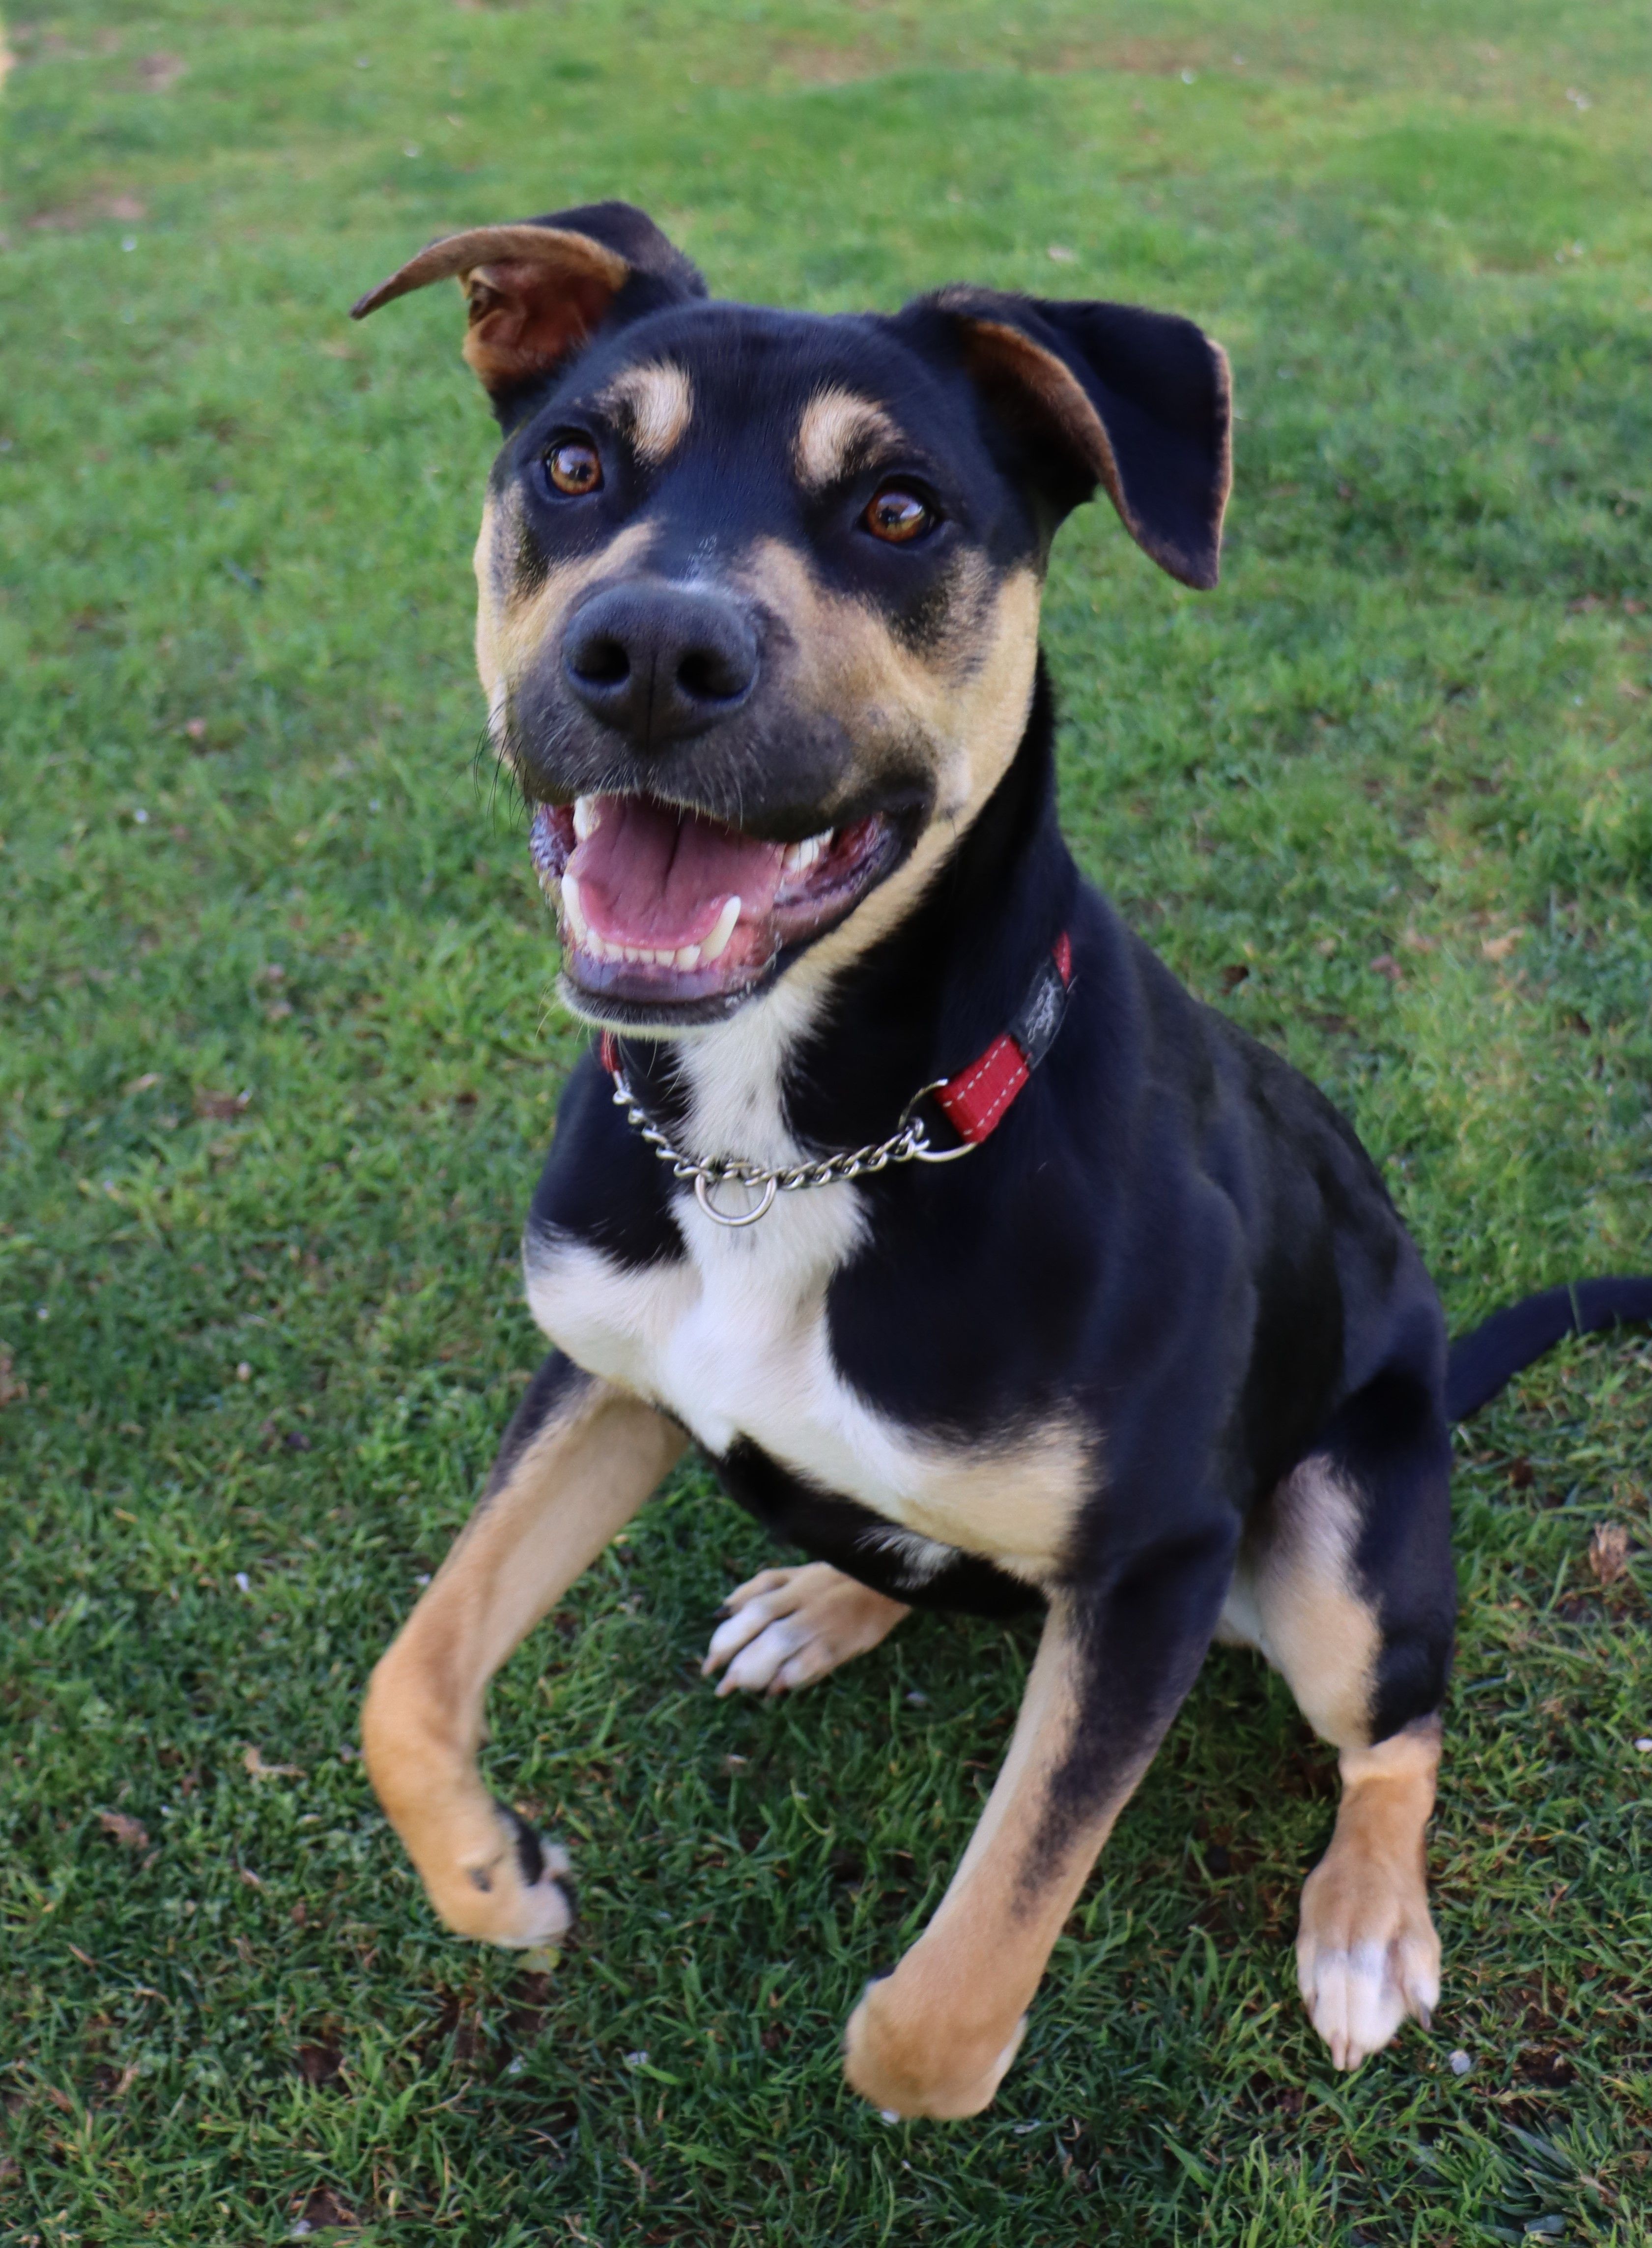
{"x": 649, "y": 875}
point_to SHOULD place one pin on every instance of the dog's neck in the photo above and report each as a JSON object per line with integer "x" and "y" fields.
{"x": 815, "y": 1066}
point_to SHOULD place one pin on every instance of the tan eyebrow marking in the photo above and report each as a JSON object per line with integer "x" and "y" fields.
{"x": 837, "y": 427}
{"x": 656, "y": 404}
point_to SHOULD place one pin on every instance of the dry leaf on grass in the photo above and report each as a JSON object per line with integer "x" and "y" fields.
{"x": 254, "y": 1764}
{"x": 1609, "y": 1551}
{"x": 131, "y": 1833}
{"x": 221, "y": 1105}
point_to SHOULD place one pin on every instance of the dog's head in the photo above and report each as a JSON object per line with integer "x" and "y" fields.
{"x": 759, "y": 590}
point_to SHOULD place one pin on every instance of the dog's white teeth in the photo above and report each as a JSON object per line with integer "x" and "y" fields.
{"x": 665, "y": 958}
{"x": 577, "y": 921}
{"x": 801, "y": 856}
{"x": 718, "y": 944}
{"x": 689, "y": 958}
{"x": 587, "y": 819}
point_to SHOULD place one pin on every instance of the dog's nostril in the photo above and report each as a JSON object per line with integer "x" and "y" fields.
{"x": 710, "y": 676}
{"x": 658, "y": 662}
{"x": 601, "y": 662}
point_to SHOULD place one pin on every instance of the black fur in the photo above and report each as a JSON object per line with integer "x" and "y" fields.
{"x": 1483, "y": 1361}
{"x": 1171, "y": 1237}
{"x": 1172, "y": 1245}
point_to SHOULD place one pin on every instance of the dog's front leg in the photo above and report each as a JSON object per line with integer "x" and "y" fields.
{"x": 577, "y": 1461}
{"x": 935, "y": 2037}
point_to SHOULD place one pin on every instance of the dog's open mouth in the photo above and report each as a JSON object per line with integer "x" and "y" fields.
{"x": 659, "y": 906}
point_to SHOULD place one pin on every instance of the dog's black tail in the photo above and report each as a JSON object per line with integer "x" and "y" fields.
{"x": 1481, "y": 1363}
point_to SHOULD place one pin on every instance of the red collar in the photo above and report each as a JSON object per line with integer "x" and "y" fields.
{"x": 977, "y": 1100}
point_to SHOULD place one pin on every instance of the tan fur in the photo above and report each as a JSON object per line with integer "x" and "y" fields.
{"x": 1366, "y": 1953}
{"x": 1367, "y": 1950}
{"x": 1008, "y": 359}
{"x": 836, "y": 432}
{"x": 552, "y": 251}
{"x": 1296, "y": 1599}
{"x": 580, "y": 1479}
{"x": 515, "y": 628}
{"x": 966, "y": 703}
{"x": 533, "y": 293}
{"x": 1021, "y": 375}
{"x": 965, "y": 699}
{"x": 1015, "y": 1503}
{"x": 787, "y": 1627}
{"x": 937, "y": 2037}
{"x": 655, "y": 405}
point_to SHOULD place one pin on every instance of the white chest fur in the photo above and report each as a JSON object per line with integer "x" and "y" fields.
{"x": 732, "y": 1339}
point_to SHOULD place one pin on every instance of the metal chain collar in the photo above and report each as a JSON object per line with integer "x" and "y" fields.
{"x": 908, "y": 1143}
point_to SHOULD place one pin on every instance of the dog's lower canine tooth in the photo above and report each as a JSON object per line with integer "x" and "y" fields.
{"x": 586, "y": 820}
{"x": 718, "y": 944}
{"x": 571, "y": 906}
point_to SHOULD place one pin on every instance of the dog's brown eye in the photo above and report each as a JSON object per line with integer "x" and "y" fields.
{"x": 573, "y": 467}
{"x": 897, "y": 515}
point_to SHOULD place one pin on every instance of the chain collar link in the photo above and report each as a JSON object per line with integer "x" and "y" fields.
{"x": 908, "y": 1143}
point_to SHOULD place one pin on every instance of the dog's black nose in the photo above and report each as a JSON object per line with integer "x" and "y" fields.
{"x": 659, "y": 662}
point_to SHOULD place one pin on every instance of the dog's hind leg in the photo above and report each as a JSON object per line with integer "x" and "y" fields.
{"x": 1345, "y": 1584}
{"x": 786, "y": 1628}
{"x": 577, "y": 1460}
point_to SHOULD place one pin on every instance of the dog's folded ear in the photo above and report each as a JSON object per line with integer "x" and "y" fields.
{"x": 1137, "y": 402}
{"x": 540, "y": 290}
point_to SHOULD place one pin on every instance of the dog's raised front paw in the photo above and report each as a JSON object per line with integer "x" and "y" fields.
{"x": 505, "y": 1884}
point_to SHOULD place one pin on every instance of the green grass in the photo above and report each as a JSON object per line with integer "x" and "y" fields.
{"x": 1387, "y": 796}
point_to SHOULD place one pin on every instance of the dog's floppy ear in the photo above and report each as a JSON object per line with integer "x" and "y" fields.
{"x": 1108, "y": 394}
{"x": 539, "y": 291}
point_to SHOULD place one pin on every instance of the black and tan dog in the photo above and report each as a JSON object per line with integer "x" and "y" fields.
{"x": 758, "y": 628}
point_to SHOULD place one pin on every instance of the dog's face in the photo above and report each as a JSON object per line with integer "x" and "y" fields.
{"x": 758, "y": 591}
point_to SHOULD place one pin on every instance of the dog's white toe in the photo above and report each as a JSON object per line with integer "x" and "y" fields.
{"x": 790, "y": 1626}
{"x": 1358, "y": 1996}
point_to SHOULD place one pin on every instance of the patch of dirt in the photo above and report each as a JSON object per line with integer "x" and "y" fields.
{"x": 322, "y": 2211}
{"x": 1548, "y": 2064}
{"x": 815, "y": 63}
{"x": 319, "y": 2063}
{"x": 1141, "y": 58}
{"x": 74, "y": 218}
